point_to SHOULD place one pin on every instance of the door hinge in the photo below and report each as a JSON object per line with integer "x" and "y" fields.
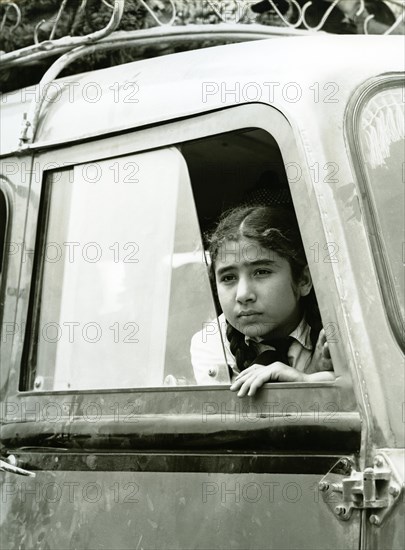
{"x": 376, "y": 488}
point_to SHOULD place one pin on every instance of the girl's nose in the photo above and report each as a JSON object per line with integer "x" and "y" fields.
{"x": 244, "y": 291}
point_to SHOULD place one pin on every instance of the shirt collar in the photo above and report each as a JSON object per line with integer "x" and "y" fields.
{"x": 301, "y": 333}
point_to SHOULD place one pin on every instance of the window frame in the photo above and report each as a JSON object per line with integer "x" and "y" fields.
{"x": 379, "y": 253}
{"x": 332, "y": 398}
{"x": 4, "y": 260}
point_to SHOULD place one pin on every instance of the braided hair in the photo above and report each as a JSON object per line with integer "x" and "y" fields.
{"x": 274, "y": 228}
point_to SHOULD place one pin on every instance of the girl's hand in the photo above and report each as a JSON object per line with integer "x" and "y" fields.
{"x": 253, "y": 378}
{"x": 324, "y": 362}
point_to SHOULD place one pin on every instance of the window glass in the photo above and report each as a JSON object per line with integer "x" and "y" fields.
{"x": 124, "y": 284}
{"x": 381, "y": 128}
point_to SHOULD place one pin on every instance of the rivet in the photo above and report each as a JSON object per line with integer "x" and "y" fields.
{"x": 340, "y": 510}
{"x": 91, "y": 461}
{"x": 394, "y": 491}
{"x": 378, "y": 461}
{"x": 212, "y": 372}
{"x": 375, "y": 520}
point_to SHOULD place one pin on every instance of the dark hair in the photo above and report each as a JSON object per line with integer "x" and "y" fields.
{"x": 273, "y": 228}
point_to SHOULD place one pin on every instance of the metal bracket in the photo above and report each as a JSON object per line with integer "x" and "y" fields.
{"x": 377, "y": 488}
{"x": 10, "y": 465}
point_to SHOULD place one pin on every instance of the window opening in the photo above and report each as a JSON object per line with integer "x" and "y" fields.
{"x": 121, "y": 266}
{"x": 245, "y": 168}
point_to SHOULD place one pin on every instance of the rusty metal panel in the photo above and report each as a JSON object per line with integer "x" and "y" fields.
{"x": 145, "y": 510}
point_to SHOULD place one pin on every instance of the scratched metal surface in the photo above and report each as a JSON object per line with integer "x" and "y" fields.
{"x": 148, "y": 510}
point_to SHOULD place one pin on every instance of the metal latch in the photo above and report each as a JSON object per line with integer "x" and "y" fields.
{"x": 377, "y": 488}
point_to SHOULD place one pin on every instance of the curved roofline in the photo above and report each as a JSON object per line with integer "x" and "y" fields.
{"x": 171, "y": 87}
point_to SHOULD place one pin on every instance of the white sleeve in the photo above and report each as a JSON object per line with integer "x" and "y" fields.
{"x": 208, "y": 356}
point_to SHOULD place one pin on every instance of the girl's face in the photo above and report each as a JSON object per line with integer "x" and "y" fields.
{"x": 256, "y": 290}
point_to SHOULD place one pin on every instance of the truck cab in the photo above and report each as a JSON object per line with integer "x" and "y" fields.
{"x": 108, "y": 438}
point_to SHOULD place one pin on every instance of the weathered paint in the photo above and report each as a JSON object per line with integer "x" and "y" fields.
{"x": 169, "y": 475}
{"x": 146, "y": 510}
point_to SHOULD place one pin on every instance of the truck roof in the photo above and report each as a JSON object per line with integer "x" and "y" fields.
{"x": 293, "y": 74}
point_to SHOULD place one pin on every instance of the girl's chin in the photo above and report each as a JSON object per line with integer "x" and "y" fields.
{"x": 256, "y": 331}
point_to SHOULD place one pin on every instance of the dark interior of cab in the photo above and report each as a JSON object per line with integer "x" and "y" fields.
{"x": 232, "y": 169}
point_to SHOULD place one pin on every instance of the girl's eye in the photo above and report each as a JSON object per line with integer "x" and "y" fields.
{"x": 263, "y": 272}
{"x": 227, "y": 278}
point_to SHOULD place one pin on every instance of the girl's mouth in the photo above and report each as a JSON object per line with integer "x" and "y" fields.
{"x": 248, "y": 313}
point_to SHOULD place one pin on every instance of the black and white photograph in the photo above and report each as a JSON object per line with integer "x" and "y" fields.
{"x": 202, "y": 284}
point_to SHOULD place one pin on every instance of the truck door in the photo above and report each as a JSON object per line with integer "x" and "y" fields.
{"x": 100, "y": 400}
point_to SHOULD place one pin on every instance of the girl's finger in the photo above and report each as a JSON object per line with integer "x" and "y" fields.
{"x": 249, "y": 370}
{"x": 322, "y": 337}
{"x": 325, "y": 350}
{"x": 246, "y": 383}
{"x": 242, "y": 379}
{"x": 258, "y": 383}
{"x": 245, "y": 387}
{"x": 243, "y": 375}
